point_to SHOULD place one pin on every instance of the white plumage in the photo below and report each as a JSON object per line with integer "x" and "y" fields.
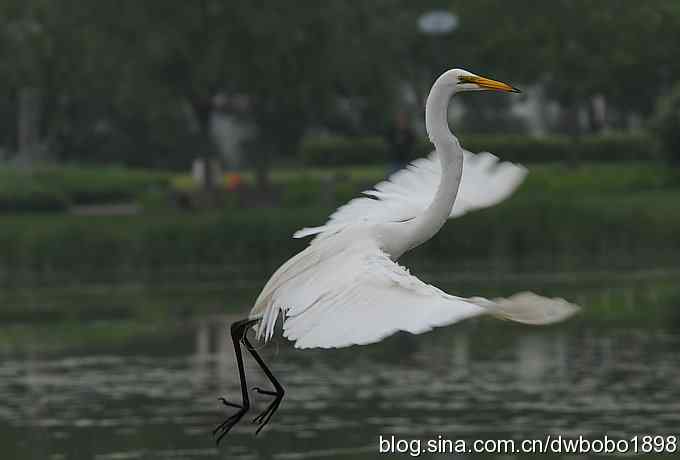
{"x": 408, "y": 192}
{"x": 345, "y": 288}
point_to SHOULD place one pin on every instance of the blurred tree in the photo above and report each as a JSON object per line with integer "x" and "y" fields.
{"x": 117, "y": 79}
{"x": 41, "y": 55}
{"x": 64, "y": 54}
{"x": 622, "y": 50}
{"x": 666, "y": 124}
{"x": 290, "y": 61}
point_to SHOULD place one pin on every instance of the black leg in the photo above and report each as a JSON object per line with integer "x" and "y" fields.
{"x": 238, "y": 333}
{"x": 267, "y": 414}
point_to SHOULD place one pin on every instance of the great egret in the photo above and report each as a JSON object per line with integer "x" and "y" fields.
{"x": 346, "y": 288}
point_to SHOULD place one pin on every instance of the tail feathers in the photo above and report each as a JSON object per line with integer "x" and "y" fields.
{"x": 529, "y": 308}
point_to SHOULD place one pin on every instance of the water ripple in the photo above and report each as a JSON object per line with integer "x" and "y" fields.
{"x": 559, "y": 381}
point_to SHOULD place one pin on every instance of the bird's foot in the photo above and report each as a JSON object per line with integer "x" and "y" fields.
{"x": 267, "y": 414}
{"x": 223, "y": 428}
{"x": 229, "y": 404}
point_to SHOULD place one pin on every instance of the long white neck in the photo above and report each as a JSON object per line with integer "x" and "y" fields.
{"x": 426, "y": 225}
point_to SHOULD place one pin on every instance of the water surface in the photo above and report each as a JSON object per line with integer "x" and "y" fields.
{"x": 156, "y": 396}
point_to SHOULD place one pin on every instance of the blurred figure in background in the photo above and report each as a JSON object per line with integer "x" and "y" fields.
{"x": 401, "y": 139}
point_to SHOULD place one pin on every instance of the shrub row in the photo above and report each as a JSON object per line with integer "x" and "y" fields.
{"x": 52, "y": 188}
{"x": 601, "y": 148}
{"x": 565, "y": 235}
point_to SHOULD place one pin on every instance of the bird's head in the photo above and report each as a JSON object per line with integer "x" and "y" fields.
{"x": 463, "y": 80}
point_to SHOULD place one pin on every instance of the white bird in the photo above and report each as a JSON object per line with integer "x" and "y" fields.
{"x": 346, "y": 287}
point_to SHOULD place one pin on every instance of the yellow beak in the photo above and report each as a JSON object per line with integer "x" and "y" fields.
{"x": 490, "y": 84}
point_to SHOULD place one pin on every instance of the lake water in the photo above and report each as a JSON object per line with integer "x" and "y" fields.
{"x": 156, "y": 397}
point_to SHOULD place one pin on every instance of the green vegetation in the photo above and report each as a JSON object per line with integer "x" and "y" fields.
{"x": 611, "y": 186}
{"x": 597, "y": 216}
{"x": 117, "y": 82}
{"x": 82, "y": 185}
{"x": 120, "y": 278}
{"x": 666, "y": 125}
{"x": 69, "y": 314}
{"x": 76, "y": 334}
{"x": 125, "y": 276}
{"x": 55, "y": 188}
{"x": 566, "y": 217}
{"x": 611, "y": 148}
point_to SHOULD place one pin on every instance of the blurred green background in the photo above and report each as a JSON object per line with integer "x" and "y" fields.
{"x": 156, "y": 157}
{"x": 107, "y": 108}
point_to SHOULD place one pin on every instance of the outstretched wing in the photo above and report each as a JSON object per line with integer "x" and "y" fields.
{"x": 343, "y": 290}
{"x": 407, "y": 193}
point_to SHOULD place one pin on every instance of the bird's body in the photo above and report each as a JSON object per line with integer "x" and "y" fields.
{"x": 346, "y": 287}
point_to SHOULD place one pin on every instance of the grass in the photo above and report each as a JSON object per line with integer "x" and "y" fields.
{"x": 55, "y": 188}
{"x": 94, "y": 185}
{"x": 559, "y": 179}
{"x": 564, "y": 217}
{"x": 614, "y": 147}
{"x": 585, "y": 177}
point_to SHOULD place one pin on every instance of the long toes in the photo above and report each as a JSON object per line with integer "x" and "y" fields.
{"x": 218, "y": 428}
{"x": 264, "y": 422}
{"x": 264, "y": 392}
{"x": 267, "y": 415}
{"x": 230, "y": 404}
{"x": 225, "y": 427}
{"x": 229, "y": 422}
{"x": 222, "y": 435}
{"x": 270, "y": 408}
{"x": 267, "y": 418}
{"x": 221, "y": 426}
{"x": 264, "y": 413}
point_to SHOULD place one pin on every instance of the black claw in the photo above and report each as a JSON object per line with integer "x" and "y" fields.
{"x": 221, "y": 426}
{"x": 230, "y": 404}
{"x": 266, "y": 415}
{"x": 238, "y": 336}
{"x": 261, "y": 416}
{"x": 265, "y": 392}
{"x": 269, "y": 413}
{"x": 238, "y": 331}
{"x": 228, "y": 424}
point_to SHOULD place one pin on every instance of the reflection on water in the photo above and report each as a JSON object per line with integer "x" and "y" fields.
{"x": 474, "y": 381}
{"x": 483, "y": 379}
